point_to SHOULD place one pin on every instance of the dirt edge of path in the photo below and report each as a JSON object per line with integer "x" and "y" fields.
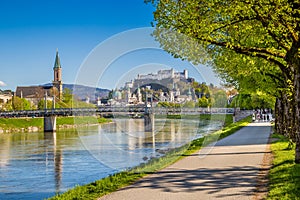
{"x": 262, "y": 186}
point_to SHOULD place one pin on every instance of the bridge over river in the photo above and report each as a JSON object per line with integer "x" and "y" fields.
{"x": 128, "y": 110}
{"x": 147, "y": 113}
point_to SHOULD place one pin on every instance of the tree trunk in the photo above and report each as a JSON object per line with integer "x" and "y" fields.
{"x": 297, "y": 152}
{"x": 279, "y": 116}
{"x": 296, "y": 114}
{"x": 287, "y": 117}
{"x": 293, "y": 64}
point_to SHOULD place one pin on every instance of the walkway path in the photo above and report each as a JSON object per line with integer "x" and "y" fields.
{"x": 228, "y": 171}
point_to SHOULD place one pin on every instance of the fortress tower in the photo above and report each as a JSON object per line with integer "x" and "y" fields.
{"x": 57, "y": 82}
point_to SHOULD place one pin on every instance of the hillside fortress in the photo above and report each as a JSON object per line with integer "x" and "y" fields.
{"x": 164, "y": 74}
{"x": 162, "y": 77}
{"x": 169, "y": 86}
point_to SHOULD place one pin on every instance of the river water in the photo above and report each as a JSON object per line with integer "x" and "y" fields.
{"x": 38, "y": 165}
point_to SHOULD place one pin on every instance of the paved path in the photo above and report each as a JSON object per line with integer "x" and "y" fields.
{"x": 228, "y": 171}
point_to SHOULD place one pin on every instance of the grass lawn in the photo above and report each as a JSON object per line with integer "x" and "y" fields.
{"x": 284, "y": 176}
{"x": 19, "y": 123}
{"x": 112, "y": 183}
{"x": 11, "y": 123}
{"x": 226, "y": 118}
{"x": 79, "y": 120}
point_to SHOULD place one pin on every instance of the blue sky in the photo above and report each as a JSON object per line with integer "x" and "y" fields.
{"x": 32, "y": 30}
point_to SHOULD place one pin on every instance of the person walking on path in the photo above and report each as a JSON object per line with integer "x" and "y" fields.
{"x": 226, "y": 170}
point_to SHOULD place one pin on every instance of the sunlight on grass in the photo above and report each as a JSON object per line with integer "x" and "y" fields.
{"x": 10, "y": 123}
{"x": 285, "y": 174}
{"x": 16, "y": 124}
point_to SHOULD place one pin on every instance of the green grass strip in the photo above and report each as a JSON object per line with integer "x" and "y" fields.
{"x": 19, "y": 123}
{"x": 114, "y": 182}
{"x": 284, "y": 176}
{"x": 11, "y": 123}
{"x": 80, "y": 120}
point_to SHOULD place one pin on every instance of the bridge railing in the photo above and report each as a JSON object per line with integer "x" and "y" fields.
{"x": 194, "y": 110}
{"x": 109, "y": 109}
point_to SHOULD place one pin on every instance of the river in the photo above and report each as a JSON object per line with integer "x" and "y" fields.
{"x": 38, "y": 165}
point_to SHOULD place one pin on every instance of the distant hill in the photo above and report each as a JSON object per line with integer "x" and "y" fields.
{"x": 82, "y": 92}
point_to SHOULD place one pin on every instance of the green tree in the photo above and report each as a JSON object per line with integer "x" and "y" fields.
{"x": 253, "y": 101}
{"x": 168, "y": 105}
{"x": 41, "y": 104}
{"x": 203, "y": 102}
{"x": 20, "y": 104}
{"x": 201, "y": 89}
{"x": 7, "y": 106}
{"x": 255, "y": 32}
{"x": 163, "y": 104}
{"x": 68, "y": 97}
{"x": 219, "y": 99}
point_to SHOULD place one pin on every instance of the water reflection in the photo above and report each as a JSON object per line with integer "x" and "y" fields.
{"x": 126, "y": 140}
{"x": 4, "y": 152}
{"x": 37, "y": 165}
{"x": 56, "y": 153}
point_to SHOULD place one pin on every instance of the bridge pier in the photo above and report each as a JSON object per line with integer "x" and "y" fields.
{"x": 50, "y": 123}
{"x": 149, "y": 122}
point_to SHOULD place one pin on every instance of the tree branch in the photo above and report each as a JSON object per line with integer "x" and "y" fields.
{"x": 234, "y": 22}
{"x": 274, "y": 77}
{"x": 243, "y": 49}
{"x": 265, "y": 24}
{"x": 253, "y": 52}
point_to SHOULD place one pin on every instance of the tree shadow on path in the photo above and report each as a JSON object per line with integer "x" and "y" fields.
{"x": 209, "y": 181}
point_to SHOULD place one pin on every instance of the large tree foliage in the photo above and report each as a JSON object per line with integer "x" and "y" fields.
{"x": 253, "y": 101}
{"x": 260, "y": 36}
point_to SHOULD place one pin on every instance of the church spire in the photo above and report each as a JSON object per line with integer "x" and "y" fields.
{"x": 57, "y": 61}
{"x": 57, "y": 82}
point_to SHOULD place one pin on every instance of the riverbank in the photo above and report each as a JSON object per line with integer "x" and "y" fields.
{"x": 16, "y": 125}
{"x": 284, "y": 175}
{"x": 13, "y": 125}
{"x": 122, "y": 179}
{"x": 227, "y": 119}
